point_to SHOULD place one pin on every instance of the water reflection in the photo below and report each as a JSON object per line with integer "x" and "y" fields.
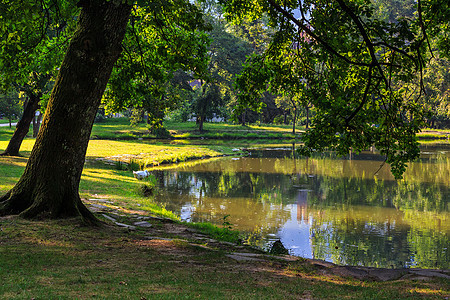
{"x": 323, "y": 207}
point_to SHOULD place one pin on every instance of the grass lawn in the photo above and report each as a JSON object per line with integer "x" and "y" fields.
{"x": 143, "y": 152}
{"x": 6, "y": 121}
{"x": 119, "y": 128}
{"x": 63, "y": 259}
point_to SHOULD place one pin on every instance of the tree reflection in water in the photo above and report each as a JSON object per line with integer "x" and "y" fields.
{"x": 323, "y": 207}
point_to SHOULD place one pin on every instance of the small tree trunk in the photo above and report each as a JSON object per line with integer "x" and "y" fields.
{"x": 307, "y": 117}
{"x": 200, "y": 124}
{"x": 49, "y": 186}
{"x": 22, "y": 126}
{"x": 36, "y": 124}
{"x": 294, "y": 121}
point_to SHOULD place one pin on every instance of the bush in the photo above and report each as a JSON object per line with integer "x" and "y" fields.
{"x": 145, "y": 190}
{"x": 133, "y": 165}
{"x": 161, "y": 133}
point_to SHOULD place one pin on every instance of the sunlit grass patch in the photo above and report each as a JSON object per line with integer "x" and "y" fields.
{"x": 6, "y": 134}
{"x": 147, "y": 154}
{"x": 223, "y": 234}
{"x": 11, "y": 168}
{"x": 120, "y": 129}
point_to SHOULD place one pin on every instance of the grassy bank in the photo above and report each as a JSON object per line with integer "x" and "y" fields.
{"x": 168, "y": 260}
{"x": 119, "y": 129}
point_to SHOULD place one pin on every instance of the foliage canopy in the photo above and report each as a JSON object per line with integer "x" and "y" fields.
{"x": 347, "y": 61}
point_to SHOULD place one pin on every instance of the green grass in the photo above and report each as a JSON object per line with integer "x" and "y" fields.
{"x": 433, "y": 136}
{"x": 65, "y": 260}
{"x": 6, "y": 121}
{"x": 120, "y": 129}
{"x": 223, "y": 234}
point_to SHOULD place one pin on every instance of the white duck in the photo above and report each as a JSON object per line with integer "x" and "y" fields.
{"x": 141, "y": 174}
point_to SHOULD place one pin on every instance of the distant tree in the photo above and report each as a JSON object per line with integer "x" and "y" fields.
{"x": 393, "y": 11}
{"x": 436, "y": 97}
{"x": 206, "y": 103}
{"x": 10, "y": 107}
{"x": 160, "y": 56}
{"x": 227, "y": 52}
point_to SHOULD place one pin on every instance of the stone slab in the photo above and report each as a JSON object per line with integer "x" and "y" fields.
{"x": 109, "y": 218}
{"x": 244, "y": 257}
{"x": 142, "y": 224}
{"x": 131, "y": 227}
{"x": 429, "y": 273}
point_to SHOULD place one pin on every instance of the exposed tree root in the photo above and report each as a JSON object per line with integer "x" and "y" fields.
{"x": 39, "y": 208}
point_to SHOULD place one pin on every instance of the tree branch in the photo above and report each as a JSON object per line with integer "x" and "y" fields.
{"x": 305, "y": 28}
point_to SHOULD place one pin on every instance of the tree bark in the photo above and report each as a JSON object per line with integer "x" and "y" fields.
{"x": 49, "y": 186}
{"x": 294, "y": 121}
{"x": 36, "y": 124}
{"x": 22, "y": 126}
{"x": 200, "y": 123}
{"x": 307, "y": 117}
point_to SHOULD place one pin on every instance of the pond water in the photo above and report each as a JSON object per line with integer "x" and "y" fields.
{"x": 348, "y": 211}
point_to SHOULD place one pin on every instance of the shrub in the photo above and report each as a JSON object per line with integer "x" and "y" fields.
{"x": 161, "y": 133}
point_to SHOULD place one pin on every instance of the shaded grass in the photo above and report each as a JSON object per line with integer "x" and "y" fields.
{"x": 61, "y": 259}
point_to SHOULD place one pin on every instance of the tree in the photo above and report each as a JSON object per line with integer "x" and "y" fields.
{"x": 226, "y": 53}
{"x": 353, "y": 60}
{"x": 10, "y": 105}
{"x": 162, "y": 52}
{"x": 207, "y": 102}
{"x": 31, "y": 54}
{"x": 49, "y": 186}
{"x": 34, "y": 92}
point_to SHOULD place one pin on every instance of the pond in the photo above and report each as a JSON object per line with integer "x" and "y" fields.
{"x": 349, "y": 211}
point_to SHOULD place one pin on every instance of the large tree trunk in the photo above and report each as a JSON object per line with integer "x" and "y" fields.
{"x": 49, "y": 186}
{"x": 22, "y": 126}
